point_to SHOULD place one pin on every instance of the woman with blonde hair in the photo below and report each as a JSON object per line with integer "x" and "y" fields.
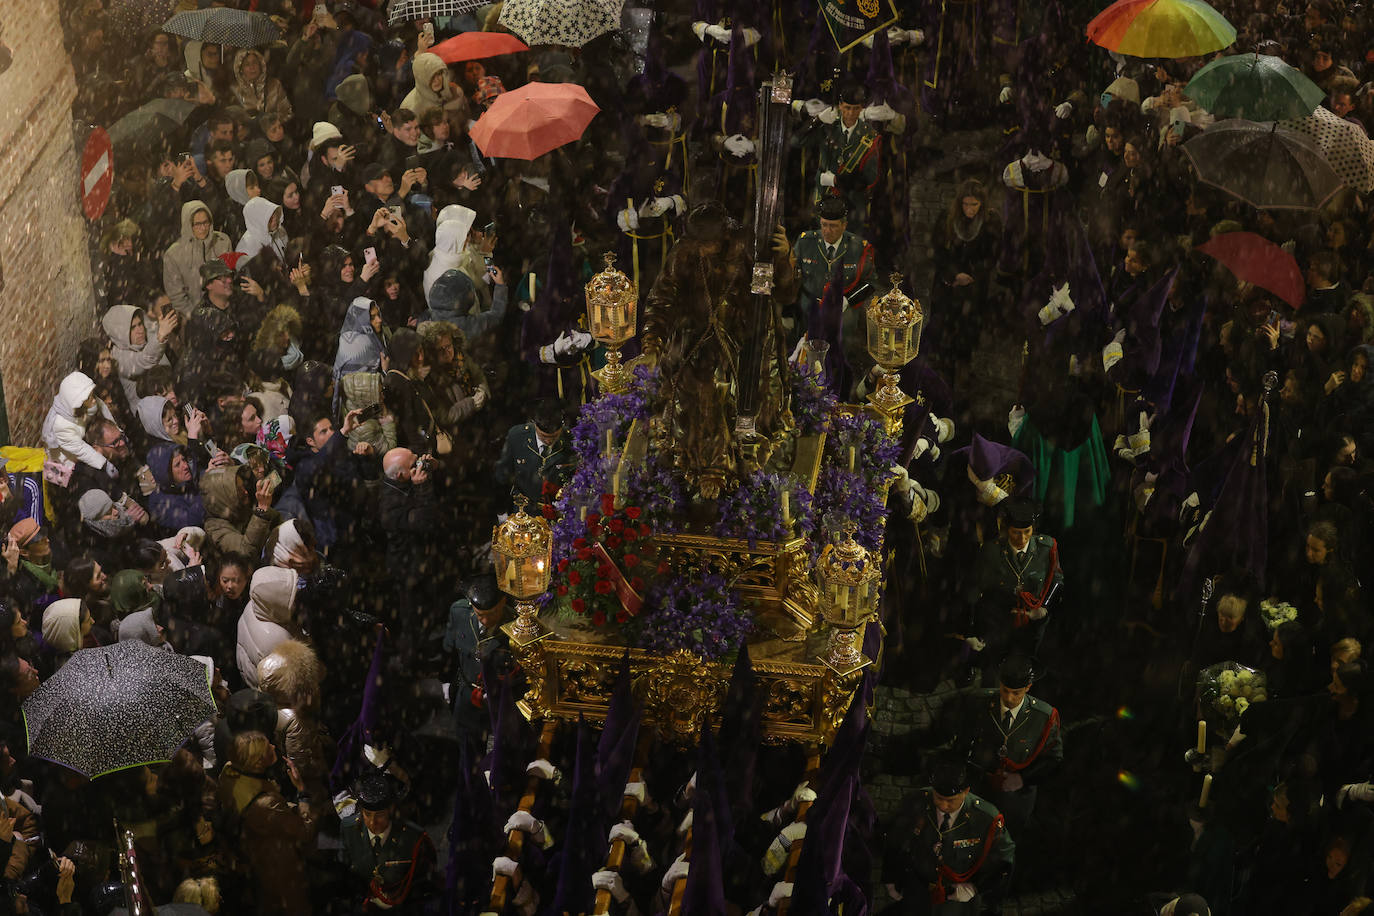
{"x": 269, "y": 836}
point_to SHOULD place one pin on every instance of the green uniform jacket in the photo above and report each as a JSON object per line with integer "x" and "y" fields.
{"x": 1034, "y": 746}
{"x": 401, "y": 872}
{"x": 977, "y": 849}
{"x": 521, "y": 468}
{"x": 1005, "y": 581}
{"x": 815, "y": 269}
{"x": 856, "y": 162}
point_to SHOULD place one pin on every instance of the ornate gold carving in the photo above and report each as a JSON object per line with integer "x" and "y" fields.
{"x": 532, "y": 659}
{"x": 680, "y": 691}
{"x": 789, "y": 701}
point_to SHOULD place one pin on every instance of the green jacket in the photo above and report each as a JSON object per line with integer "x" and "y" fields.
{"x": 977, "y": 849}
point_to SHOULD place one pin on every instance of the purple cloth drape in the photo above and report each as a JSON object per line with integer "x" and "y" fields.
{"x": 363, "y": 729}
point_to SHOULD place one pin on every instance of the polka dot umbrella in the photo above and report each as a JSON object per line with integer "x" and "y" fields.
{"x": 117, "y": 707}
{"x": 571, "y": 23}
{"x": 1161, "y": 28}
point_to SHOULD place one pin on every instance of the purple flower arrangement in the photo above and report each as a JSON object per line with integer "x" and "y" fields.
{"x": 701, "y": 615}
{"x": 858, "y": 458}
{"x": 813, "y": 403}
{"x": 754, "y": 511}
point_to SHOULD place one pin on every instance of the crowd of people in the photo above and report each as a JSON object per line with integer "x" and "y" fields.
{"x": 336, "y": 337}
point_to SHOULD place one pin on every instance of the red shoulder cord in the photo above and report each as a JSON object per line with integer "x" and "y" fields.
{"x": 938, "y": 894}
{"x": 1044, "y": 739}
{"x": 1029, "y": 602}
{"x": 375, "y": 891}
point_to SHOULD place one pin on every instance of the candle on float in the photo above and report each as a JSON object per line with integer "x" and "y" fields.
{"x": 786, "y": 508}
{"x": 1206, "y": 791}
{"x": 1202, "y": 736}
{"x": 851, "y": 459}
{"x": 609, "y": 442}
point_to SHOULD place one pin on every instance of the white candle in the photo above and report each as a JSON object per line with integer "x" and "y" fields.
{"x": 1201, "y": 736}
{"x": 1206, "y": 790}
{"x": 786, "y": 508}
{"x": 851, "y": 459}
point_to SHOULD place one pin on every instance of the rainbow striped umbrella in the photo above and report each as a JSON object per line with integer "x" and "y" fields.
{"x": 1161, "y": 28}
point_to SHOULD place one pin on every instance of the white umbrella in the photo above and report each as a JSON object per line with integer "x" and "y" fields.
{"x": 571, "y": 23}
{"x": 1344, "y": 144}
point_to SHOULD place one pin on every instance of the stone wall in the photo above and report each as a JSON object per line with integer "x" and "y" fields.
{"x": 46, "y": 304}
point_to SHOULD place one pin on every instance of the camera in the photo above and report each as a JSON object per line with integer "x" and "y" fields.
{"x": 425, "y": 463}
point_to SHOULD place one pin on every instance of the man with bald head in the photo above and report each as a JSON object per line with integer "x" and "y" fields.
{"x": 410, "y": 517}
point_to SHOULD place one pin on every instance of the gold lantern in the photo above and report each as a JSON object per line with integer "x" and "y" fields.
{"x": 612, "y": 310}
{"x": 847, "y": 578}
{"x": 895, "y": 323}
{"x": 522, "y": 547}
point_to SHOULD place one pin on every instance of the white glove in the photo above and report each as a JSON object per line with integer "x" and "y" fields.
{"x": 1059, "y": 305}
{"x": 1015, "y": 417}
{"x": 1004, "y": 96}
{"x": 522, "y": 821}
{"x": 738, "y": 145}
{"x": 914, "y": 37}
{"x": 1113, "y": 353}
{"x": 923, "y": 503}
{"x": 563, "y": 345}
{"x": 989, "y": 493}
{"x": 793, "y": 832}
{"x": 976, "y": 644}
{"x": 544, "y": 770}
{"x": 655, "y": 119}
{"x": 815, "y": 106}
{"x": 1358, "y": 791}
{"x": 781, "y": 891}
{"x": 828, "y": 115}
{"x": 944, "y": 428}
{"x": 1141, "y": 438}
{"x": 504, "y": 865}
{"x": 675, "y": 871}
{"x": 608, "y": 880}
{"x": 922, "y": 446}
{"x": 623, "y": 831}
{"x": 719, "y": 32}
{"x": 660, "y": 205}
{"x": 1063, "y": 110}
{"x": 627, "y": 220}
{"x": 803, "y": 792}
{"x": 901, "y": 480}
{"x": 827, "y": 179}
{"x": 964, "y": 892}
{"x": 1037, "y": 614}
{"x": 877, "y": 113}
{"x": 751, "y": 37}
{"x": 637, "y": 791}
{"x": 686, "y": 824}
{"x": 699, "y": 29}
{"x": 581, "y": 341}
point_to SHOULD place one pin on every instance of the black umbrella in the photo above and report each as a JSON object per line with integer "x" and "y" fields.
{"x": 1264, "y": 165}
{"x": 176, "y": 109}
{"x": 117, "y": 707}
{"x": 221, "y": 25}
{"x": 142, "y": 133}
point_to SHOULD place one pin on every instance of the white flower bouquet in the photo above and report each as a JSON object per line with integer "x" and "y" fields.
{"x": 1227, "y": 689}
{"x": 1276, "y": 613}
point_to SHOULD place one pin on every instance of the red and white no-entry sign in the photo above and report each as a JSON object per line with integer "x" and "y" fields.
{"x": 97, "y": 173}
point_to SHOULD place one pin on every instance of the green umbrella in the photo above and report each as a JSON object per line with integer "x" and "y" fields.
{"x": 1256, "y": 87}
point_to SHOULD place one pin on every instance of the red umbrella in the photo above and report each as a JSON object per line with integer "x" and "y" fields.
{"x": 1258, "y": 261}
{"x": 528, "y": 122}
{"x": 477, "y": 45}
